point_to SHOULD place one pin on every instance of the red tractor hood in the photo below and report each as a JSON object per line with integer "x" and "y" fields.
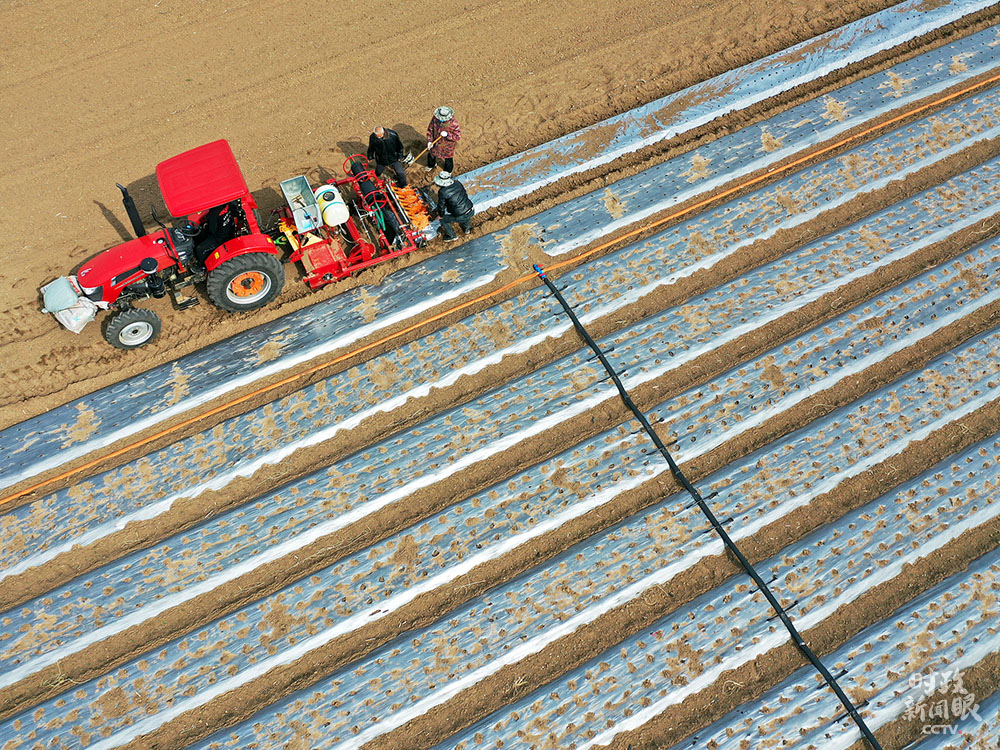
{"x": 117, "y": 265}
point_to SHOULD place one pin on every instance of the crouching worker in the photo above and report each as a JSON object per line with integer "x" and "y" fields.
{"x": 453, "y": 205}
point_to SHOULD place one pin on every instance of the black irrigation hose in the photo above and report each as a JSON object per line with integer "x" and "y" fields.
{"x": 726, "y": 540}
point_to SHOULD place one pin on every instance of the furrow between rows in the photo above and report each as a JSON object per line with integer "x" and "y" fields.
{"x": 424, "y": 669}
{"x": 687, "y": 651}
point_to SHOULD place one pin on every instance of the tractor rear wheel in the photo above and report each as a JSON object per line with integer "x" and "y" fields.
{"x": 246, "y": 282}
{"x": 132, "y": 327}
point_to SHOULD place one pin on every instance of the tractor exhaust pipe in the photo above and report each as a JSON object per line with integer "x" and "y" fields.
{"x": 133, "y": 213}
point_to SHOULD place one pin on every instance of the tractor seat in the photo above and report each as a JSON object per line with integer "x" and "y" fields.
{"x": 219, "y": 227}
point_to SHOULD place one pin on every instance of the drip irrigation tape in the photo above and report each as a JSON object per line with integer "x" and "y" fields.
{"x": 730, "y": 545}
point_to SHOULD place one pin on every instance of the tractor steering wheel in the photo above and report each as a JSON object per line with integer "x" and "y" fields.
{"x": 189, "y": 229}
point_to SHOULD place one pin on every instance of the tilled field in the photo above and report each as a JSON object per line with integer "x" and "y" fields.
{"x": 464, "y": 541}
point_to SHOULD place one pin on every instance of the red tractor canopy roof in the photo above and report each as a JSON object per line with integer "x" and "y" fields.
{"x": 200, "y": 179}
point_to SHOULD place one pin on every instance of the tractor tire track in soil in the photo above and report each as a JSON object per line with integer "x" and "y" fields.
{"x": 865, "y": 355}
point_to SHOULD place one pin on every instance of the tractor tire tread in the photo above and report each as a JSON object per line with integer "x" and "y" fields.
{"x": 118, "y": 322}
{"x": 220, "y": 278}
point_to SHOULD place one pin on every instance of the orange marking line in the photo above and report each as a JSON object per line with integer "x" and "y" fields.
{"x": 773, "y": 171}
{"x": 496, "y": 292}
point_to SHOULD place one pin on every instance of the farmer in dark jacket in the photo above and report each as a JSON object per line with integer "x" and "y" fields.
{"x": 387, "y": 150}
{"x": 443, "y": 133}
{"x": 454, "y": 206}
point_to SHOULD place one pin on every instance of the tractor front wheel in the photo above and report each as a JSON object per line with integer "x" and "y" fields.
{"x": 246, "y": 282}
{"x": 132, "y": 327}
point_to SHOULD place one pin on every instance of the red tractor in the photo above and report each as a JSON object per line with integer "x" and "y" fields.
{"x": 216, "y": 239}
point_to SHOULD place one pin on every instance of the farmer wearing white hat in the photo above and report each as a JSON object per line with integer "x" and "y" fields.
{"x": 453, "y": 205}
{"x": 443, "y": 133}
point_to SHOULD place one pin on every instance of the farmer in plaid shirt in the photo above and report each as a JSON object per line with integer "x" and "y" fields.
{"x": 443, "y": 125}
